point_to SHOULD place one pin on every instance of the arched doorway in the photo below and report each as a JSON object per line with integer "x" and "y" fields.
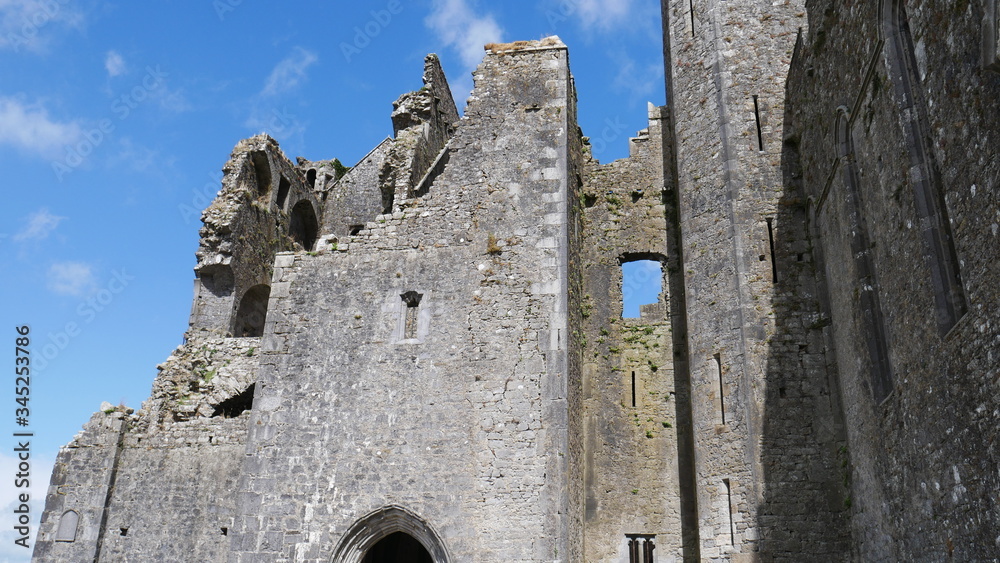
{"x": 391, "y": 534}
{"x": 397, "y": 547}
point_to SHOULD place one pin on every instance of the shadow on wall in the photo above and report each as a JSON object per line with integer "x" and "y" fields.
{"x": 806, "y": 503}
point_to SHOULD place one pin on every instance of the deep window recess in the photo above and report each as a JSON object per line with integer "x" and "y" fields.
{"x": 304, "y": 227}
{"x": 236, "y": 405}
{"x": 311, "y": 178}
{"x": 412, "y": 301}
{"x": 252, "y": 312}
{"x": 640, "y": 547}
{"x": 283, "y": 187}
{"x": 642, "y": 284}
{"x": 262, "y": 171}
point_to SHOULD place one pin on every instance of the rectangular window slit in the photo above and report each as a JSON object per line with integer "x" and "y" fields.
{"x": 756, "y": 114}
{"x": 770, "y": 241}
{"x": 729, "y": 511}
{"x": 691, "y": 3}
{"x": 722, "y": 400}
{"x": 633, "y": 388}
{"x": 412, "y": 301}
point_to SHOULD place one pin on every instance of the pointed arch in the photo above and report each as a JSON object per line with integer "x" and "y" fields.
{"x": 939, "y": 252}
{"x": 378, "y": 525}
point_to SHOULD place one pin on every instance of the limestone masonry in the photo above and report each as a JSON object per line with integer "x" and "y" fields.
{"x": 424, "y": 358}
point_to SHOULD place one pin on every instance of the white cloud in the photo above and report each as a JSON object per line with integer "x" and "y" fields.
{"x": 639, "y": 82}
{"x": 28, "y": 25}
{"x": 71, "y": 278}
{"x": 28, "y": 127}
{"x": 289, "y": 73}
{"x": 40, "y": 224}
{"x": 604, "y": 14}
{"x": 458, "y": 27}
{"x": 114, "y": 63}
{"x": 41, "y": 471}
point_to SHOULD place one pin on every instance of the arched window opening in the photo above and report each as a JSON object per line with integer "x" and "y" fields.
{"x": 217, "y": 280}
{"x": 397, "y": 548}
{"x": 304, "y": 227}
{"x": 311, "y": 178}
{"x": 262, "y": 171}
{"x": 67, "y": 526}
{"x": 642, "y": 284}
{"x": 283, "y": 187}
{"x": 252, "y": 312}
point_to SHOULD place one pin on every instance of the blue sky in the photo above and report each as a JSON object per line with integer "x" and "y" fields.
{"x": 116, "y": 119}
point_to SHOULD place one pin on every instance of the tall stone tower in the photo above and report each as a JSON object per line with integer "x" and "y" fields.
{"x": 764, "y": 469}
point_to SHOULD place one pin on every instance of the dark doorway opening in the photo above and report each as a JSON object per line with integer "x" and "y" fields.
{"x": 252, "y": 312}
{"x": 304, "y": 227}
{"x": 397, "y": 548}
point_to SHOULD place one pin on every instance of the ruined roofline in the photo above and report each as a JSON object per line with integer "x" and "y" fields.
{"x": 548, "y": 43}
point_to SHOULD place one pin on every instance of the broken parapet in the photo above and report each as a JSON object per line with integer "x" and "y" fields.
{"x": 422, "y": 121}
{"x": 265, "y": 206}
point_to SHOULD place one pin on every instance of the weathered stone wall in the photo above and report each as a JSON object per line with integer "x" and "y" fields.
{"x": 764, "y": 453}
{"x": 264, "y": 206}
{"x": 464, "y": 421}
{"x": 81, "y": 480}
{"x": 902, "y": 186}
{"x": 631, "y": 464}
{"x": 356, "y": 199}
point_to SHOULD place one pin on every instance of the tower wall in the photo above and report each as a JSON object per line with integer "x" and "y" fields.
{"x": 764, "y": 425}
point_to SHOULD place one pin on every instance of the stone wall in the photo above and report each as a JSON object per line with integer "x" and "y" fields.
{"x": 897, "y": 164}
{"x": 454, "y": 407}
{"x": 631, "y": 464}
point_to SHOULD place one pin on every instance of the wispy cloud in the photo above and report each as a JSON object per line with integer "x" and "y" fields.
{"x": 603, "y": 14}
{"x": 39, "y": 225}
{"x": 114, "y": 63}
{"x": 28, "y": 127}
{"x": 459, "y": 27}
{"x": 71, "y": 278}
{"x": 29, "y": 25}
{"x": 289, "y": 73}
{"x": 640, "y": 82}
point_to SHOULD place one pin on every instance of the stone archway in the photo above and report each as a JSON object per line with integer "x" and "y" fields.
{"x": 391, "y": 534}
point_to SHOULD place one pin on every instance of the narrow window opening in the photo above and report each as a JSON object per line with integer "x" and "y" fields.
{"x": 717, "y": 366}
{"x": 283, "y": 187}
{"x": 304, "y": 228}
{"x": 781, "y": 392}
{"x": 729, "y": 512}
{"x": 252, "y": 312}
{"x": 355, "y": 229}
{"x": 640, "y": 547}
{"x": 412, "y": 301}
{"x": 236, "y": 405}
{"x": 589, "y": 200}
{"x": 633, "y": 388}
{"x": 642, "y": 284}
{"x": 770, "y": 242}
{"x": 691, "y": 4}
{"x": 123, "y": 531}
{"x": 67, "y": 526}
{"x": 225, "y": 531}
{"x": 311, "y": 178}
{"x": 756, "y": 114}
{"x": 262, "y": 171}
